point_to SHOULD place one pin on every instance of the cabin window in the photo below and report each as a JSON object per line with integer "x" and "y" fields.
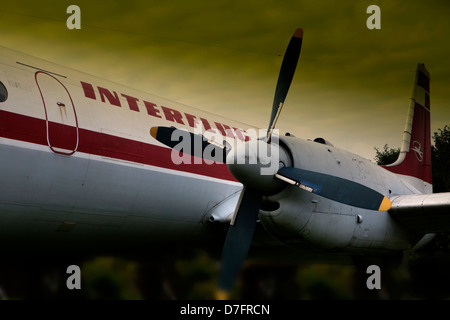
{"x": 3, "y": 92}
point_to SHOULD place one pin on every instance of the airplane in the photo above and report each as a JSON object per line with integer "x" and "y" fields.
{"x": 88, "y": 164}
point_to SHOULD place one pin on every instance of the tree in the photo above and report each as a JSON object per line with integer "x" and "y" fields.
{"x": 386, "y": 156}
{"x": 440, "y": 156}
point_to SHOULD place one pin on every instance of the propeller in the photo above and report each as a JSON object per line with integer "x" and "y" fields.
{"x": 238, "y": 240}
{"x": 335, "y": 188}
{"x": 287, "y": 71}
{"x": 190, "y": 143}
{"x": 242, "y": 227}
{"x": 256, "y": 185}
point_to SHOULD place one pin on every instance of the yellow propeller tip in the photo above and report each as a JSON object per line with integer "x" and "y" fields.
{"x": 222, "y": 295}
{"x": 154, "y": 132}
{"x": 385, "y": 204}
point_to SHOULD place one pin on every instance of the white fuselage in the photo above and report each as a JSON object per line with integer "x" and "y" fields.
{"x": 80, "y": 166}
{"x": 80, "y": 169}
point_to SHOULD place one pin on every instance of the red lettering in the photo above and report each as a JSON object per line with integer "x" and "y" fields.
{"x": 113, "y": 98}
{"x": 172, "y": 115}
{"x": 88, "y": 90}
{"x": 205, "y": 124}
{"x": 225, "y": 132}
{"x": 132, "y": 102}
{"x": 221, "y": 129}
{"x": 228, "y": 131}
{"x": 151, "y": 109}
{"x": 240, "y": 135}
{"x": 191, "y": 120}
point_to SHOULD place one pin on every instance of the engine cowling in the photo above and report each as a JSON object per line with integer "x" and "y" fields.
{"x": 296, "y": 216}
{"x": 300, "y": 217}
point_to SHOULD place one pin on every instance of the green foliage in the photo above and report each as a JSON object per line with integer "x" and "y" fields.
{"x": 110, "y": 278}
{"x": 386, "y": 156}
{"x": 440, "y": 155}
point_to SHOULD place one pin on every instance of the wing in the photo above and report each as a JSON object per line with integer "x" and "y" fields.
{"x": 424, "y": 213}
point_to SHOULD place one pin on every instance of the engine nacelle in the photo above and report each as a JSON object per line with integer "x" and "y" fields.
{"x": 296, "y": 216}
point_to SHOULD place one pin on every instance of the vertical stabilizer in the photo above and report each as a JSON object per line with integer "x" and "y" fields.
{"x": 414, "y": 161}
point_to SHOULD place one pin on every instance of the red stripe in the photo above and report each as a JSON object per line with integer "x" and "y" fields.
{"x": 28, "y": 129}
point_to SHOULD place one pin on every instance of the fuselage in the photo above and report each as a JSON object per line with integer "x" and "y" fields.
{"x": 79, "y": 168}
{"x": 78, "y": 163}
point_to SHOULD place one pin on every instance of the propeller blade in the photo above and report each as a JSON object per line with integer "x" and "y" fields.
{"x": 190, "y": 143}
{"x": 238, "y": 240}
{"x": 335, "y": 188}
{"x": 287, "y": 71}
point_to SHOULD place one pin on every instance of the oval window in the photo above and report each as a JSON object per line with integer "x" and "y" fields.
{"x": 3, "y": 92}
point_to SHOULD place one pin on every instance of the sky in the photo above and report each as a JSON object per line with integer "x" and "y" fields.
{"x": 352, "y": 85}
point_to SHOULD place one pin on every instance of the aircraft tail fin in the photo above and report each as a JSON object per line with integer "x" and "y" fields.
{"x": 414, "y": 161}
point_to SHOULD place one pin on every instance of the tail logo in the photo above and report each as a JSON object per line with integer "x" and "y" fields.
{"x": 417, "y": 148}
